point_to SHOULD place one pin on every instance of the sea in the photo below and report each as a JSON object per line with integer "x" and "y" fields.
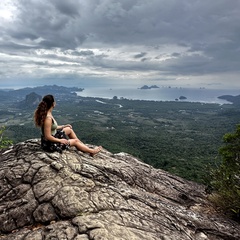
{"x": 202, "y": 95}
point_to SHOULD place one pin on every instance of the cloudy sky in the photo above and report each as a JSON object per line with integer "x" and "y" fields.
{"x": 192, "y": 43}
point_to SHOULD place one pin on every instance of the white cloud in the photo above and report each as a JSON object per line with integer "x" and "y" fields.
{"x": 181, "y": 42}
{"x": 8, "y": 11}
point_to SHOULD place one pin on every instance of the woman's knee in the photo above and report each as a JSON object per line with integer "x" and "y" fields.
{"x": 68, "y": 130}
{"x": 74, "y": 142}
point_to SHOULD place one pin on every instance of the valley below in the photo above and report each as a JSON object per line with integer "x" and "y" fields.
{"x": 182, "y": 138}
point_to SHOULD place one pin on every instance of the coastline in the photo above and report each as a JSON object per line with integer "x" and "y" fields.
{"x": 161, "y": 94}
{"x": 152, "y": 93}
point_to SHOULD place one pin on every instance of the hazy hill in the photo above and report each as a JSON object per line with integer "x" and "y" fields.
{"x": 31, "y": 101}
{"x": 148, "y": 87}
{"x": 20, "y": 94}
{"x": 233, "y": 99}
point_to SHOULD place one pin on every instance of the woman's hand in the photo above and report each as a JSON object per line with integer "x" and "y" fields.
{"x": 64, "y": 141}
{"x": 67, "y": 125}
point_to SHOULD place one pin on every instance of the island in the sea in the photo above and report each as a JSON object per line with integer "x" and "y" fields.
{"x": 233, "y": 99}
{"x": 148, "y": 87}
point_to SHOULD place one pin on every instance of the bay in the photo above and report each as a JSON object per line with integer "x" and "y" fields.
{"x": 161, "y": 94}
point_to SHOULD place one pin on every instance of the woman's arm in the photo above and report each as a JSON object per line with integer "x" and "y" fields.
{"x": 64, "y": 126}
{"x": 47, "y": 130}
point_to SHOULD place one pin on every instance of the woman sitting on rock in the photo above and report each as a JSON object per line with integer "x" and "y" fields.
{"x": 50, "y": 130}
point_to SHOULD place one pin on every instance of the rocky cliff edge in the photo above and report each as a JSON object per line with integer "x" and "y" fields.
{"x": 72, "y": 196}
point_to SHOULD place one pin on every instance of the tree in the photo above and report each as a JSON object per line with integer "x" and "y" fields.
{"x": 226, "y": 178}
{"x": 4, "y": 141}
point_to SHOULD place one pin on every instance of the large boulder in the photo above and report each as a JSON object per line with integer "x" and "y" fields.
{"x": 73, "y": 196}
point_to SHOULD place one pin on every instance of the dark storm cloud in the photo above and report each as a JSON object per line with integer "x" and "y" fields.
{"x": 83, "y": 53}
{"x": 166, "y": 37}
{"x": 140, "y": 55}
{"x": 52, "y": 22}
{"x": 69, "y": 7}
{"x": 131, "y": 22}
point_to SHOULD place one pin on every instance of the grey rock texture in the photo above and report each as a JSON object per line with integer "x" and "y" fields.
{"x": 72, "y": 196}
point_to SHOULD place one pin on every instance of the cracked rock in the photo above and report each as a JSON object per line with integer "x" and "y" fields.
{"x": 72, "y": 196}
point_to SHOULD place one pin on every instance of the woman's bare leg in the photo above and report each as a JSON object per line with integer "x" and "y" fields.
{"x": 74, "y": 141}
{"x": 70, "y": 133}
{"x": 84, "y": 148}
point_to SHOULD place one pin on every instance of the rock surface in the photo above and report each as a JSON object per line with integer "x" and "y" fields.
{"x": 72, "y": 196}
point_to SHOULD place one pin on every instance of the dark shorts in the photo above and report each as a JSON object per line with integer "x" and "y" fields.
{"x": 52, "y": 146}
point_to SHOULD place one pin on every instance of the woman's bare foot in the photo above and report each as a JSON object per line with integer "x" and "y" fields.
{"x": 95, "y": 151}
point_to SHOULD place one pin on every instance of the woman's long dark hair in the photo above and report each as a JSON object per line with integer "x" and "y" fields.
{"x": 42, "y": 109}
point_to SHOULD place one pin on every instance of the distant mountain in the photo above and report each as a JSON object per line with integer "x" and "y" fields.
{"x": 31, "y": 100}
{"x": 58, "y": 91}
{"x": 233, "y": 99}
{"x": 48, "y": 89}
{"x": 147, "y": 87}
{"x": 182, "y": 98}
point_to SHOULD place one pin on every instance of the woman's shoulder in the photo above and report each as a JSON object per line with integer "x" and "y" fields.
{"x": 48, "y": 118}
{"x": 52, "y": 119}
